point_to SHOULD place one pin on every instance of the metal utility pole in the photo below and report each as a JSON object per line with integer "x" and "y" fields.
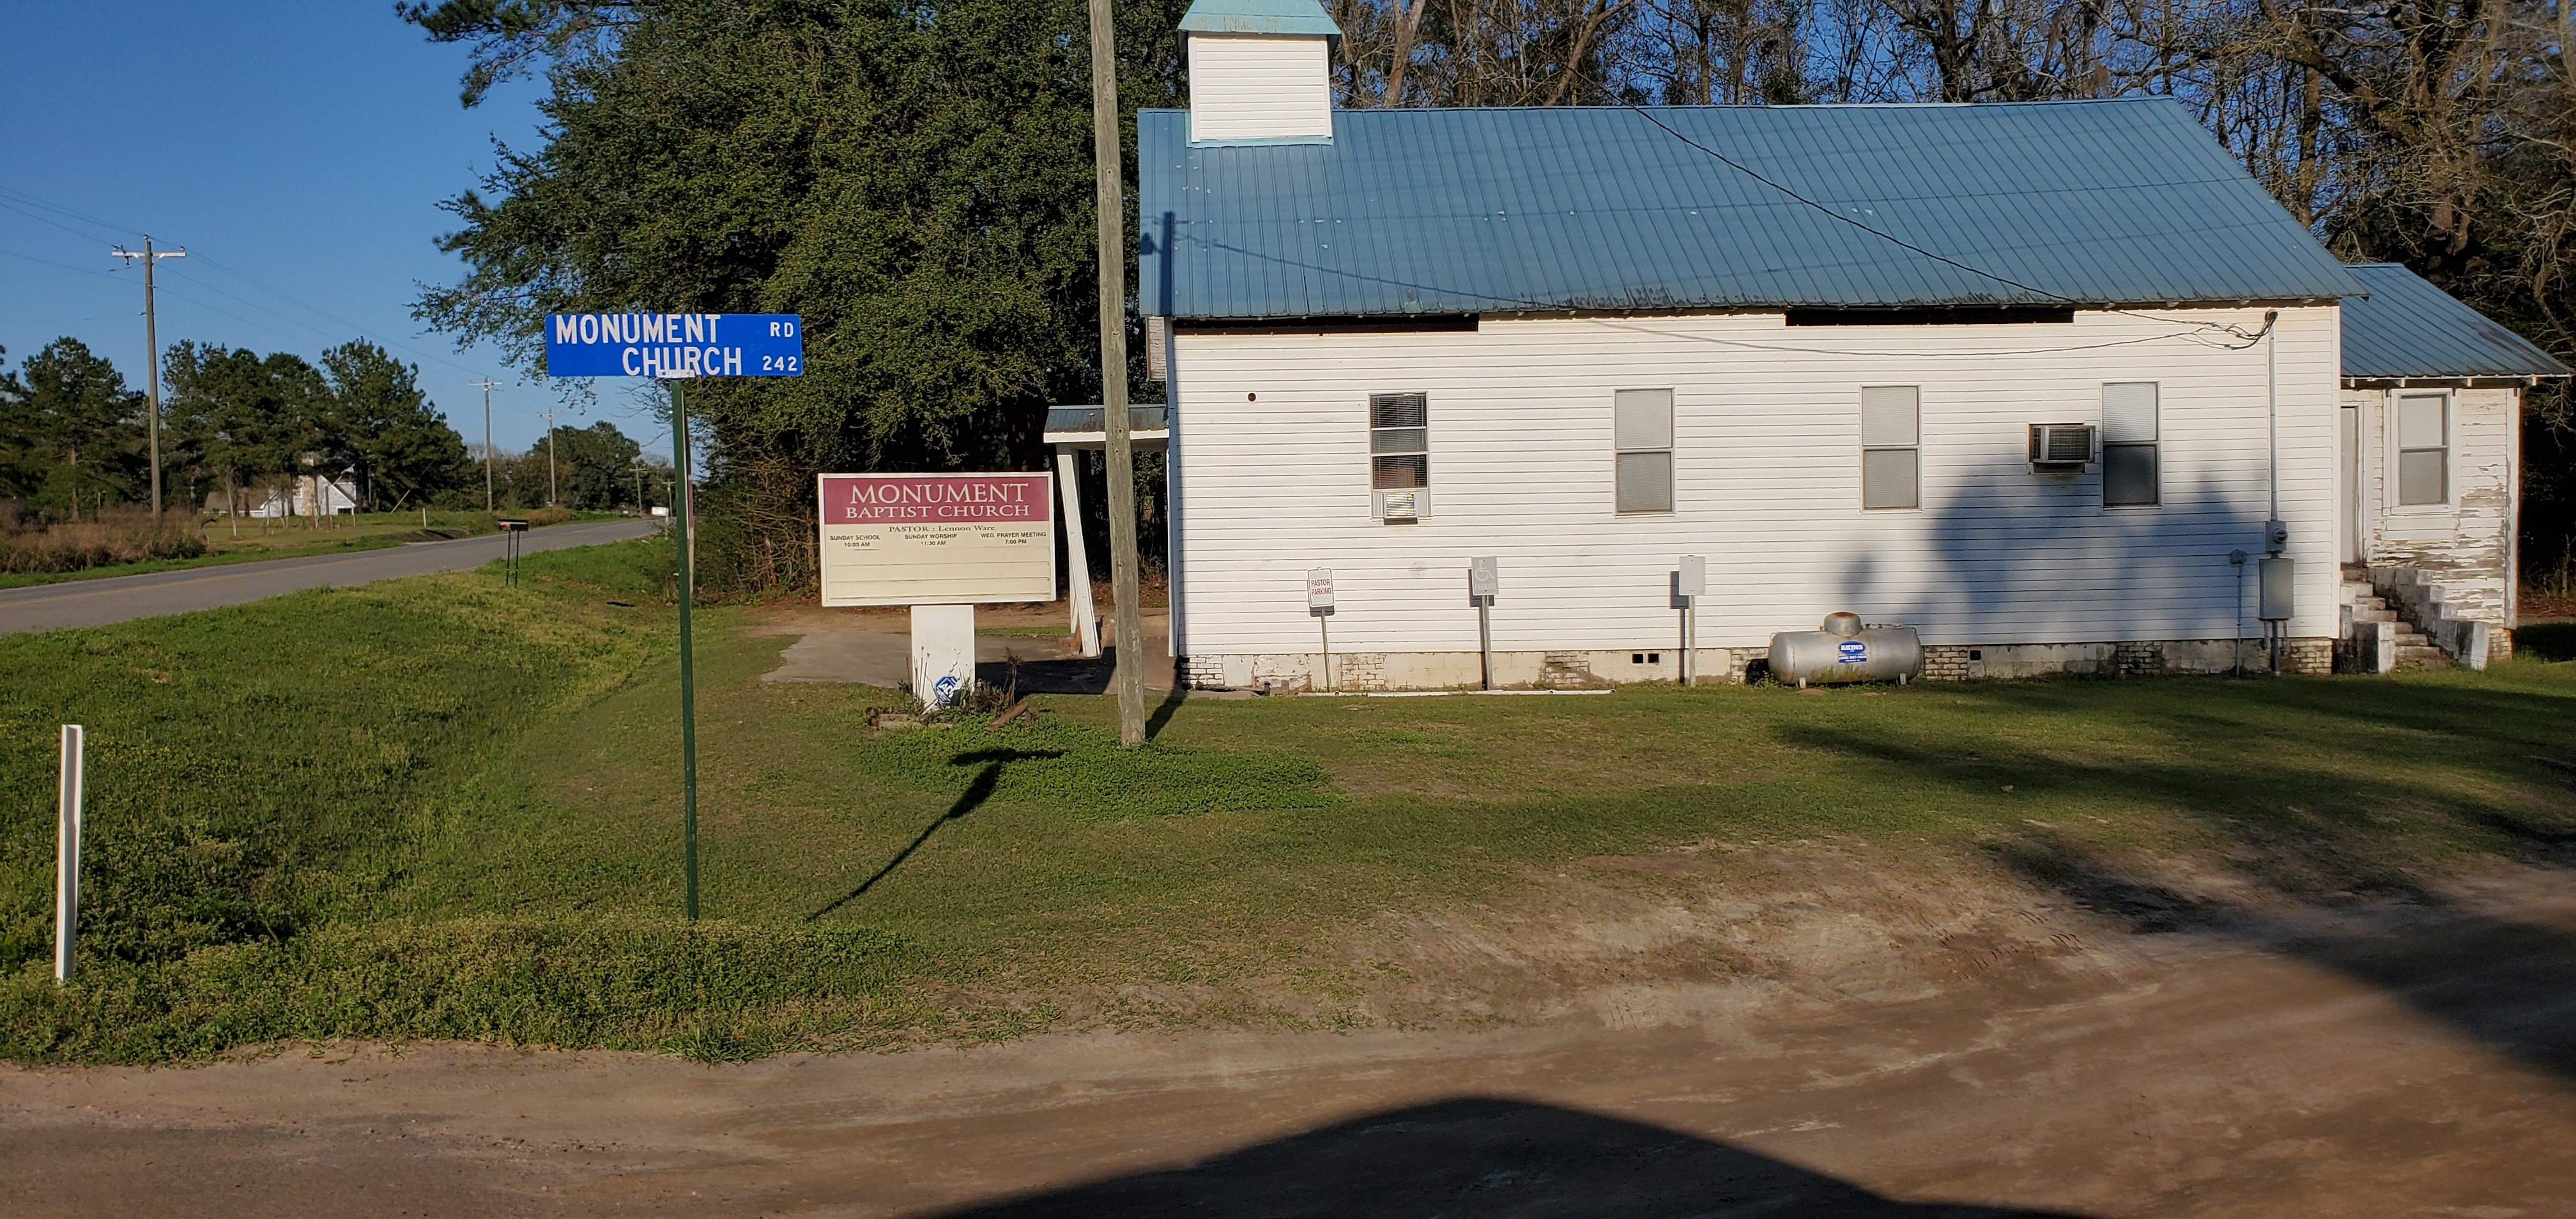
{"x": 550, "y": 457}
{"x": 151, "y": 353}
{"x": 1112, "y": 211}
{"x": 486, "y": 387}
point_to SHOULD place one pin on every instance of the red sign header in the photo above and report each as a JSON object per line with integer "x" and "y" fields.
{"x": 856, "y": 499}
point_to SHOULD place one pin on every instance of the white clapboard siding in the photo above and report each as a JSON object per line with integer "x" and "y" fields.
{"x": 1767, "y": 482}
{"x": 2465, "y": 544}
{"x": 1246, "y": 89}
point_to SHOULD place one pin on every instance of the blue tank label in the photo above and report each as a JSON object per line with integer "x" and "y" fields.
{"x": 1851, "y": 652}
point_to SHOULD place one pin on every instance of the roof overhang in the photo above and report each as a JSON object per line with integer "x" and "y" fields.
{"x": 1149, "y": 427}
{"x": 1813, "y": 315}
{"x": 2513, "y": 382}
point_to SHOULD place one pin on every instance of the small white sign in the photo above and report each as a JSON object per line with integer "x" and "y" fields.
{"x": 943, "y": 653}
{"x": 1484, "y": 577}
{"x": 937, "y": 539}
{"x": 1319, "y": 588}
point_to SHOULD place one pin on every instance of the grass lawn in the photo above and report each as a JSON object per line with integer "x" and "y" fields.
{"x": 456, "y": 815}
{"x": 291, "y": 539}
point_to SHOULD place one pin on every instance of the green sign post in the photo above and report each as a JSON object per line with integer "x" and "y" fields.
{"x": 685, "y": 512}
{"x": 674, "y": 348}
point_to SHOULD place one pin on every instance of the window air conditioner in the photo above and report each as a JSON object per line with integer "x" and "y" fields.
{"x": 1405, "y": 507}
{"x": 2061, "y": 446}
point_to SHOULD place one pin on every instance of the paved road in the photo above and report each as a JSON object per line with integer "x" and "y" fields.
{"x": 47, "y": 607}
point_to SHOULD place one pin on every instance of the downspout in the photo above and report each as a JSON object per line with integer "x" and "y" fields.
{"x": 1175, "y": 617}
{"x": 2513, "y": 503}
{"x": 2275, "y": 535}
{"x": 2272, "y": 412}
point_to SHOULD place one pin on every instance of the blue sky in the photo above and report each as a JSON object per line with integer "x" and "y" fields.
{"x": 297, "y": 150}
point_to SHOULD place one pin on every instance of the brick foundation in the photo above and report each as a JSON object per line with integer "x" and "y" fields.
{"x": 1374, "y": 671}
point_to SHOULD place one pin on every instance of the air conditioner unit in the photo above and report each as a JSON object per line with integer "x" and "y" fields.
{"x": 2061, "y": 446}
{"x": 1400, "y": 507}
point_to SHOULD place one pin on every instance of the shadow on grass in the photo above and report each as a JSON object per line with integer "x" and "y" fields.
{"x": 976, "y": 793}
{"x": 2305, "y": 839}
{"x": 1172, "y": 700}
{"x": 2546, "y": 641}
{"x": 1474, "y": 1156}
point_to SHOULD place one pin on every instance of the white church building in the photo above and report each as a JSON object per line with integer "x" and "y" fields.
{"x": 2046, "y": 382}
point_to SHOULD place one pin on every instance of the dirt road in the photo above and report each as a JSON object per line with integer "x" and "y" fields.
{"x": 2415, "y": 1058}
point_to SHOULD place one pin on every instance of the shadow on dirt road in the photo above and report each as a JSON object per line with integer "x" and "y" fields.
{"x": 2319, "y": 866}
{"x": 1477, "y": 1156}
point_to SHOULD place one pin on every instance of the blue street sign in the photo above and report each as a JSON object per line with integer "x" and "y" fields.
{"x": 675, "y": 345}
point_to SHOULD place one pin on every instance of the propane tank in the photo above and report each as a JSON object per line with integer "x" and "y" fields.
{"x": 1844, "y": 650}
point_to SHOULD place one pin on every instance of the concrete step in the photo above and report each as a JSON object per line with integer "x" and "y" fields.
{"x": 2419, "y": 656}
{"x": 2373, "y": 613}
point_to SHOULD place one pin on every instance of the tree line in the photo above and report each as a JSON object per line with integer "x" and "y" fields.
{"x": 915, "y": 180}
{"x": 239, "y": 429}
{"x": 597, "y": 468}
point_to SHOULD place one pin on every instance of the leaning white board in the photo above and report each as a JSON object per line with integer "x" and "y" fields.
{"x": 937, "y": 539}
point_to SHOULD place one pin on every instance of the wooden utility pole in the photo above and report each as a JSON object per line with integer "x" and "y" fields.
{"x": 486, "y": 385}
{"x": 151, "y": 358}
{"x": 550, "y": 457}
{"x": 1112, "y": 205}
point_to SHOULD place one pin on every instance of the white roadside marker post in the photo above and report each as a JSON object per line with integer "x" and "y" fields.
{"x": 67, "y": 855}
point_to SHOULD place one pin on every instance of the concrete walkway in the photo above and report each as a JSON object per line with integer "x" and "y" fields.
{"x": 46, "y": 607}
{"x": 1047, "y": 664}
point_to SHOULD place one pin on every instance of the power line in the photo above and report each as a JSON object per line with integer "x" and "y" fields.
{"x": 59, "y": 209}
{"x": 352, "y": 327}
{"x": 51, "y": 223}
{"x": 1901, "y": 243}
{"x": 220, "y": 311}
{"x": 58, "y": 265}
{"x": 8, "y": 194}
{"x": 327, "y": 315}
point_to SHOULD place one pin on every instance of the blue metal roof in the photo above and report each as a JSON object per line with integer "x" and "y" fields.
{"x": 2409, "y": 328}
{"x": 1498, "y": 210}
{"x": 1259, "y": 17}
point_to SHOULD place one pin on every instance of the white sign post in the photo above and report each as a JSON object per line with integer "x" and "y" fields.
{"x": 939, "y": 543}
{"x": 1484, "y": 580}
{"x": 67, "y": 846}
{"x": 1690, "y": 583}
{"x": 1319, "y": 602}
